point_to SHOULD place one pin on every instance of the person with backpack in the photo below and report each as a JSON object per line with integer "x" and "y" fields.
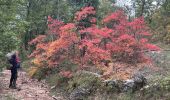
{"x": 13, "y": 62}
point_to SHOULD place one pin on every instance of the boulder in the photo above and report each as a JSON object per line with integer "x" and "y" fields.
{"x": 137, "y": 82}
{"x": 128, "y": 85}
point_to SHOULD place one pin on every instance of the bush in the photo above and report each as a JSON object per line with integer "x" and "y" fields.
{"x": 57, "y": 81}
{"x": 39, "y": 73}
{"x": 83, "y": 79}
{"x": 25, "y": 65}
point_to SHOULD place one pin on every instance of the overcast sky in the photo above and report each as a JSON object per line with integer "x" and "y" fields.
{"x": 123, "y": 2}
{"x": 127, "y": 3}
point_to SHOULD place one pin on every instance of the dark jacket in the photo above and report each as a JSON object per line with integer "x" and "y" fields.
{"x": 13, "y": 62}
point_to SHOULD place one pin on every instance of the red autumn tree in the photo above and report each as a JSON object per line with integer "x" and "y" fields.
{"x": 117, "y": 39}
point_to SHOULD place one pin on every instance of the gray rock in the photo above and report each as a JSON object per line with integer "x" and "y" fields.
{"x": 110, "y": 82}
{"x": 139, "y": 78}
{"x": 128, "y": 85}
{"x": 137, "y": 82}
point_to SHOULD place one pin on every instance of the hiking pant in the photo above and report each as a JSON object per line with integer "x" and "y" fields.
{"x": 13, "y": 77}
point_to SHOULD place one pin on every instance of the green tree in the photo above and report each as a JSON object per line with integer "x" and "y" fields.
{"x": 9, "y": 30}
{"x": 161, "y": 22}
{"x": 146, "y": 8}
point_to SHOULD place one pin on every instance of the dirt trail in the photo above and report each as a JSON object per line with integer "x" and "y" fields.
{"x": 28, "y": 89}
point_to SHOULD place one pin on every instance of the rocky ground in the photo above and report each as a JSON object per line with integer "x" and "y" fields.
{"x": 28, "y": 89}
{"x": 86, "y": 85}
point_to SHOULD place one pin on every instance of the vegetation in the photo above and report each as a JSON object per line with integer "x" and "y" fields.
{"x": 59, "y": 39}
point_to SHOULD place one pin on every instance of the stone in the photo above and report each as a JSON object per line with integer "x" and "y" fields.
{"x": 53, "y": 87}
{"x": 112, "y": 82}
{"x": 137, "y": 82}
{"x": 128, "y": 85}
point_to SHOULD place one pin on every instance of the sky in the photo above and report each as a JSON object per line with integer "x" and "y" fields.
{"x": 126, "y": 3}
{"x": 123, "y": 2}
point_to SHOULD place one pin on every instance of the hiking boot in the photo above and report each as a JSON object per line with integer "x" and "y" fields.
{"x": 14, "y": 85}
{"x": 10, "y": 86}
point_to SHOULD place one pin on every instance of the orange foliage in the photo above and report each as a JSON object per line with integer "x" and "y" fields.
{"x": 116, "y": 37}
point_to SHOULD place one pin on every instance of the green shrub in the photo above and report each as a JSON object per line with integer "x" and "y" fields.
{"x": 85, "y": 80}
{"x": 67, "y": 65}
{"x": 25, "y": 65}
{"x": 57, "y": 80}
{"x": 41, "y": 73}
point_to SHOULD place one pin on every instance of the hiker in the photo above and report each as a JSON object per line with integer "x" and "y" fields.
{"x": 13, "y": 62}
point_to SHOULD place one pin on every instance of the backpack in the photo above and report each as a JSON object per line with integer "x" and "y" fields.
{"x": 9, "y": 60}
{"x": 9, "y": 64}
{"x": 9, "y": 55}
